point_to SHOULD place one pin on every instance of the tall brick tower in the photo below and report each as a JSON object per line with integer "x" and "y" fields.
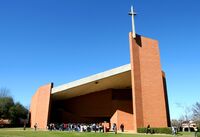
{"x": 150, "y": 103}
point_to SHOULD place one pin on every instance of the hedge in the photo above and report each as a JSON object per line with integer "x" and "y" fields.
{"x": 198, "y": 134}
{"x": 156, "y": 130}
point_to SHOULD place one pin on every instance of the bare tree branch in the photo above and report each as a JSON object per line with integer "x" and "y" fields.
{"x": 4, "y": 92}
{"x": 196, "y": 111}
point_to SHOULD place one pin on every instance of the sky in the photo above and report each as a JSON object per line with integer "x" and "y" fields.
{"x": 59, "y": 41}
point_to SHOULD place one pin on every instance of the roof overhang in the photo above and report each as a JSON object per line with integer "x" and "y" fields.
{"x": 117, "y": 78}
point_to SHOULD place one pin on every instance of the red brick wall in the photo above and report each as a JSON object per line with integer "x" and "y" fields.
{"x": 126, "y": 119}
{"x": 122, "y": 117}
{"x": 149, "y": 104}
{"x": 94, "y": 107}
{"x": 91, "y": 105}
{"x": 39, "y": 108}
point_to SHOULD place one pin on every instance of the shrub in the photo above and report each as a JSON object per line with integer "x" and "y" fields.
{"x": 156, "y": 130}
{"x": 198, "y": 134}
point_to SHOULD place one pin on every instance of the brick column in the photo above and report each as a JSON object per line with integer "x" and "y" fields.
{"x": 39, "y": 108}
{"x": 149, "y": 100}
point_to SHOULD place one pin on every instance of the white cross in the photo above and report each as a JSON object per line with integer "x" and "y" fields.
{"x": 132, "y": 14}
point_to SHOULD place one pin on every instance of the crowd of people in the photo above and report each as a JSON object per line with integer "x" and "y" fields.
{"x": 79, "y": 127}
{"x": 82, "y": 127}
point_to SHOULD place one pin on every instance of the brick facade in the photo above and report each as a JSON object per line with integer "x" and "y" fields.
{"x": 39, "y": 108}
{"x": 96, "y": 108}
{"x": 145, "y": 104}
{"x": 149, "y": 100}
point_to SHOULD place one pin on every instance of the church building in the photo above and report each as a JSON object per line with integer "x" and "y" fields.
{"x": 134, "y": 94}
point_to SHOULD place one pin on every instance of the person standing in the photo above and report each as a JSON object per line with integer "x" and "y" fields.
{"x": 35, "y": 126}
{"x": 24, "y": 125}
{"x": 122, "y": 127}
{"x": 115, "y": 127}
{"x": 196, "y": 130}
{"x": 148, "y": 129}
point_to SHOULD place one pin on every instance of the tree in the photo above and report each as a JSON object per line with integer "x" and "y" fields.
{"x": 186, "y": 117}
{"x": 17, "y": 112}
{"x": 5, "y": 104}
{"x": 196, "y": 113}
{"x": 176, "y": 123}
{"x": 9, "y": 109}
{"x": 4, "y": 92}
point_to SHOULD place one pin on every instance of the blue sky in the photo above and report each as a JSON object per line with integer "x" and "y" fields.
{"x": 59, "y": 41}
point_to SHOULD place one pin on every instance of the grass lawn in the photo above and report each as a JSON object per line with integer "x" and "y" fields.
{"x": 18, "y": 132}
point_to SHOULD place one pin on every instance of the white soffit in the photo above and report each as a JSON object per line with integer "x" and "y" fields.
{"x": 119, "y": 77}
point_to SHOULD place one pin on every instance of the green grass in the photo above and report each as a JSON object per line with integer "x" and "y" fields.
{"x": 186, "y": 134}
{"x": 18, "y": 132}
